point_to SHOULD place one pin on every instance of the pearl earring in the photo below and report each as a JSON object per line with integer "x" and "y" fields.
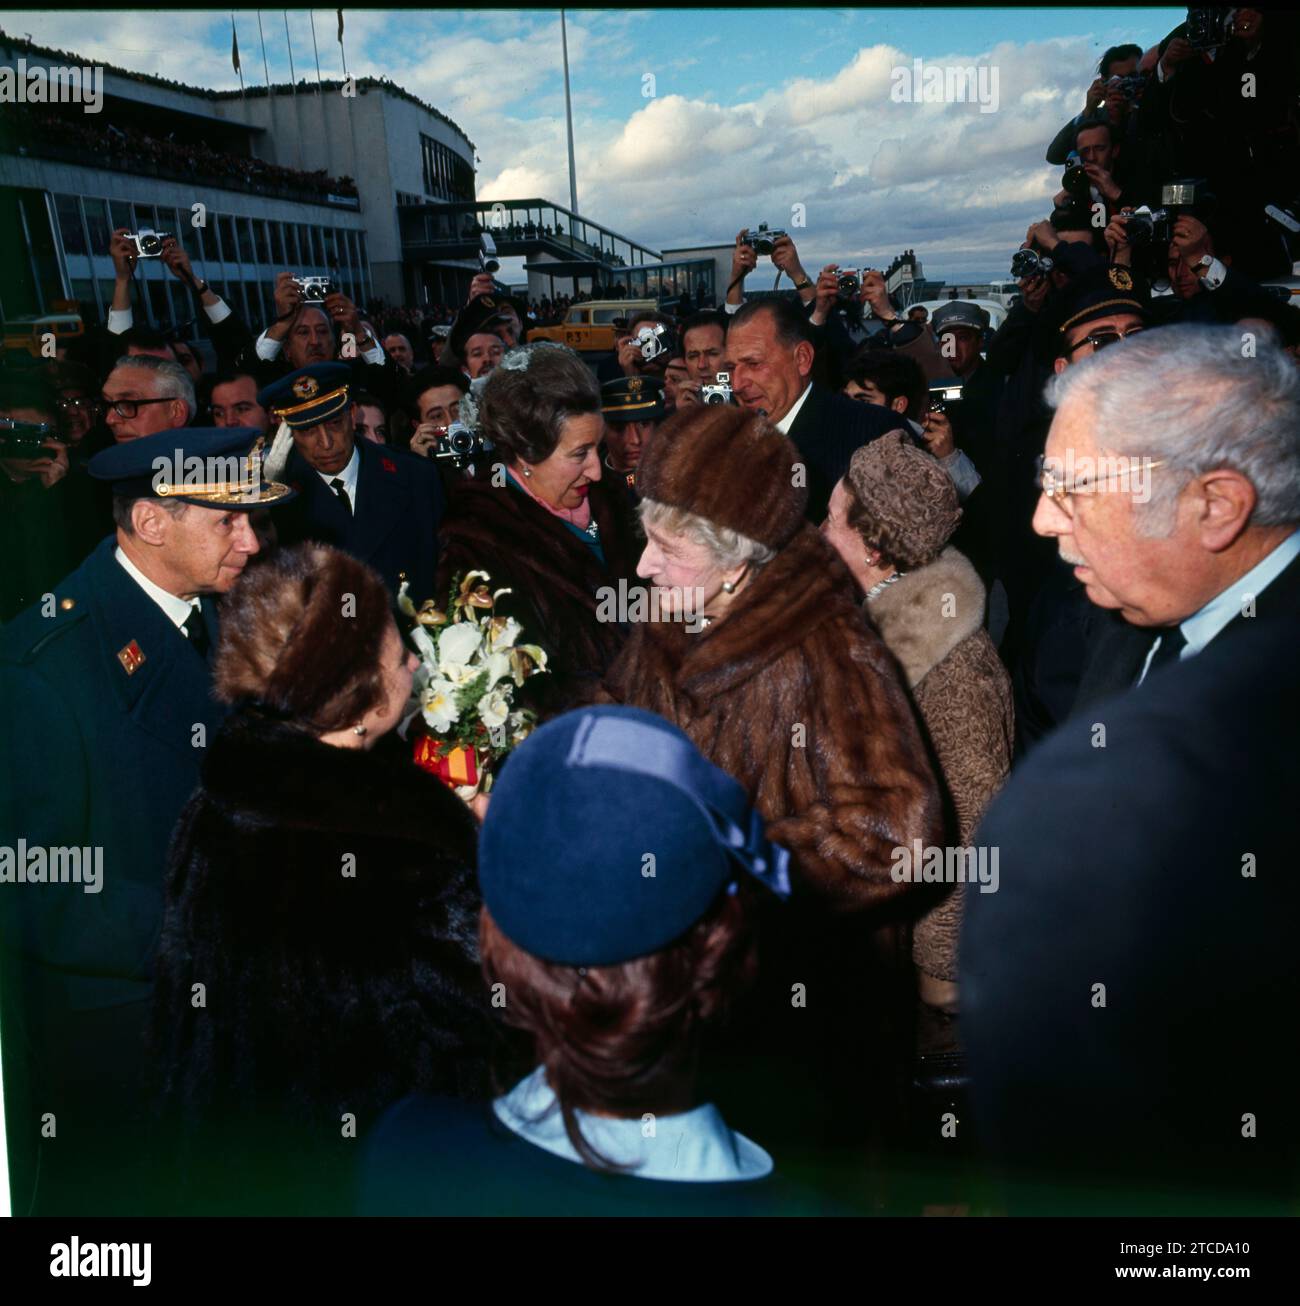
{"x": 358, "y": 730}
{"x": 527, "y": 472}
{"x": 729, "y": 586}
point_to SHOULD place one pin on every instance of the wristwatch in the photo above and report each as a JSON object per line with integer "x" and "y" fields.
{"x": 1210, "y": 271}
{"x": 804, "y": 284}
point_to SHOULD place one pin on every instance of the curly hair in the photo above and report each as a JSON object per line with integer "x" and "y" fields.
{"x": 621, "y": 1039}
{"x": 523, "y": 411}
{"x": 301, "y": 636}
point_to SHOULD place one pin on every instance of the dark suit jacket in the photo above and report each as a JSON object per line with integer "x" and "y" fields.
{"x": 1123, "y": 866}
{"x": 828, "y": 429}
{"x": 399, "y": 507}
{"x": 1118, "y": 651}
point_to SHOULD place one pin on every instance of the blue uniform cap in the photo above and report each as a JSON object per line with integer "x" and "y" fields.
{"x": 309, "y": 396}
{"x": 609, "y": 835}
{"x": 213, "y": 466}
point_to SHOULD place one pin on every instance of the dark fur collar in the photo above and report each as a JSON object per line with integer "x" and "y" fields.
{"x": 264, "y": 772}
{"x": 804, "y": 586}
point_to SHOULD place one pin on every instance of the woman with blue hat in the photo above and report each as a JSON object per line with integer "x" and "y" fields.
{"x": 614, "y": 946}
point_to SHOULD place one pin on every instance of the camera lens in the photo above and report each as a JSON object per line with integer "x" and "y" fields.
{"x": 461, "y": 442}
{"x": 150, "y": 245}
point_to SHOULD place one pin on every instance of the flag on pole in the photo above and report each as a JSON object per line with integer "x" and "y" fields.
{"x": 234, "y": 44}
{"x": 340, "y": 26}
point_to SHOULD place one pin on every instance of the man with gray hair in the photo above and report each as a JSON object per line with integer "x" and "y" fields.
{"x": 1123, "y": 989}
{"x": 144, "y": 395}
{"x": 1171, "y": 483}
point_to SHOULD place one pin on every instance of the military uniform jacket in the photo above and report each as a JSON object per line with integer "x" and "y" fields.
{"x": 399, "y": 507}
{"x": 105, "y": 712}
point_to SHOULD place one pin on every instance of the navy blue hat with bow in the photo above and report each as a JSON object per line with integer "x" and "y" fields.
{"x": 609, "y": 835}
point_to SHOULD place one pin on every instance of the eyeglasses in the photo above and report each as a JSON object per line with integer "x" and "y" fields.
{"x": 1100, "y": 339}
{"x": 1060, "y": 492}
{"x": 128, "y": 408}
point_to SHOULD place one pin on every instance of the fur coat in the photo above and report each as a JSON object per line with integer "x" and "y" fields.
{"x": 794, "y": 695}
{"x": 932, "y": 622}
{"x": 554, "y": 577}
{"x": 257, "y": 896}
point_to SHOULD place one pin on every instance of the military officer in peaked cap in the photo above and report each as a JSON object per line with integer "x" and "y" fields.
{"x": 380, "y": 504}
{"x": 633, "y": 406}
{"x": 105, "y": 709}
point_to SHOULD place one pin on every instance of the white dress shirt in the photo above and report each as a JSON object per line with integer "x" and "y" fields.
{"x": 787, "y": 421}
{"x": 348, "y": 476}
{"x": 1201, "y": 627}
{"x": 175, "y": 609}
{"x": 268, "y": 351}
{"x": 121, "y": 320}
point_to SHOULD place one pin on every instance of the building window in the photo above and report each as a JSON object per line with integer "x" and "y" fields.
{"x": 70, "y": 228}
{"x": 263, "y": 246}
{"x": 277, "y": 244}
{"x": 446, "y": 174}
{"x": 226, "y": 233}
{"x": 97, "y": 228}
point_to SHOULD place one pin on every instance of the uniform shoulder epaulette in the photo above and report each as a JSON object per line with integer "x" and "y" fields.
{"x": 68, "y": 614}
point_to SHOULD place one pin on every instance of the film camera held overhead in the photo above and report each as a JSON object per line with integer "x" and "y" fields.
{"x": 148, "y": 244}
{"x": 761, "y": 239}
{"x": 487, "y": 255}
{"x": 314, "y": 289}
{"x": 1029, "y": 263}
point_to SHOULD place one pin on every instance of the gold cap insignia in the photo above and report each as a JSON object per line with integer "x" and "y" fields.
{"x": 131, "y": 658}
{"x": 634, "y": 386}
{"x": 305, "y": 387}
{"x": 1120, "y": 279}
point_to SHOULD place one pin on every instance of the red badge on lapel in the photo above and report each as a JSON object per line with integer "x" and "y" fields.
{"x": 388, "y": 465}
{"x": 131, "y": 658}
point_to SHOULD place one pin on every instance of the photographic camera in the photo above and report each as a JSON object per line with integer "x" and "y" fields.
{"x": 148, "y": 244}
{"x": 719, "y": 392}
{"x": 1075, "y": 180}
{"x": 762, "y": 240}
{"x": 1147, "y": 227}
{"x": 1128, "y": 87}
{"x": 849, "y": 285}
{"x": 459, "y": 444}
{"x": 487, "y": 255}
{"x": 25, "y": 439}
{"x": 943, "y": 394}
{"x": 1030, "y": 263}
{"x": 654, "y": 341}
{"x": 314, "y": 289}
{"x": 1207, "y": 27}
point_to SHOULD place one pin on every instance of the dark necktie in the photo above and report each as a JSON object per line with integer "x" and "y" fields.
{"x": 1172, "y": 643}
{"x": 341, "y": 490}
{"x": 196, "y": 631}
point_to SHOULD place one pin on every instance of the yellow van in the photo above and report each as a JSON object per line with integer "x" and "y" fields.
{"x": 589, "y": 327}
{"x": 29, "y": 333}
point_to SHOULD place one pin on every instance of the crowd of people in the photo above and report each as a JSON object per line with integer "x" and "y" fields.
{"x": 916, "y": 720}
{"x": 134, "y": 150}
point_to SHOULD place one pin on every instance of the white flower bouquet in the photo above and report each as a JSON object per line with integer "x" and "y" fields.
{"x": 462, "y": 716}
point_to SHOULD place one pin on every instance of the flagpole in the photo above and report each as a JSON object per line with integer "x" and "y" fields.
{"x": 316, "y": 51}
{"x": 266, "y": 68}
{"x": 568, "y": 116}
{"x": 234, "y": 54}
{"x": 288, "y": 40}
{"x": 341, "y": 49}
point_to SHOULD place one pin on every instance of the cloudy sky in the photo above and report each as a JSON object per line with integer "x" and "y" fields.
{"x": 690, "y": 124}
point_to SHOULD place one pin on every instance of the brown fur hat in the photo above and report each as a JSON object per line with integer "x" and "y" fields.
{"x": 902, "y": 500}
{"x": 729, "y": 466}
{"x": 301, "y": 636}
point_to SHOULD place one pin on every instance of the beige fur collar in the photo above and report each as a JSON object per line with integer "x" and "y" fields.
{"x": 924, "y": 616}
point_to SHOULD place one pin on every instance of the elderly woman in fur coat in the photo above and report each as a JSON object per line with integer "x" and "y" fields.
{"x": 762, "y": 656}
{"x": 890, "y": 520}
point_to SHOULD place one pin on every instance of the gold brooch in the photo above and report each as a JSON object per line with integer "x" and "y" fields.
{"x": 1120, "y": 279}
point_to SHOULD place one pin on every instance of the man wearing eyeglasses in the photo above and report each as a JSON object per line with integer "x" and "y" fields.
{"x": 144, "y": 395}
